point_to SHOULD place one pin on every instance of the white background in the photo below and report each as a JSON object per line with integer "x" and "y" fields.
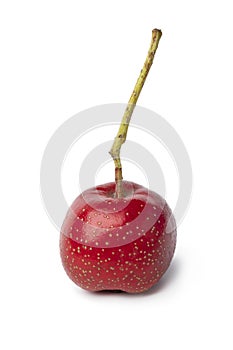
{"x": 60, "y": 57}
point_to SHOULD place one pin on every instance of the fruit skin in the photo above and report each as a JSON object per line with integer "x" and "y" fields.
{"x": 125, "y": 244}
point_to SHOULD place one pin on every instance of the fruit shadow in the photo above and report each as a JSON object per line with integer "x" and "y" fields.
{"x": 167, "y": 280}
{"x": 170, "y": 277}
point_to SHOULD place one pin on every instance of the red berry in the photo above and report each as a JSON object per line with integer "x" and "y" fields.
{"x": 110, "y": 243}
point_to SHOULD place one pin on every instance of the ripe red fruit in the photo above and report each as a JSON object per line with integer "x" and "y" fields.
{"x": 110, "y": 243}
{"x": 119, "y": 236}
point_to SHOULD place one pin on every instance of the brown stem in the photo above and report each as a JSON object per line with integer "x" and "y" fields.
{"x": 123, "y": 129}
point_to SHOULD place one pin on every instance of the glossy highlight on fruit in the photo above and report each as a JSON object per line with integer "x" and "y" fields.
{"x": 110, "y": 243}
